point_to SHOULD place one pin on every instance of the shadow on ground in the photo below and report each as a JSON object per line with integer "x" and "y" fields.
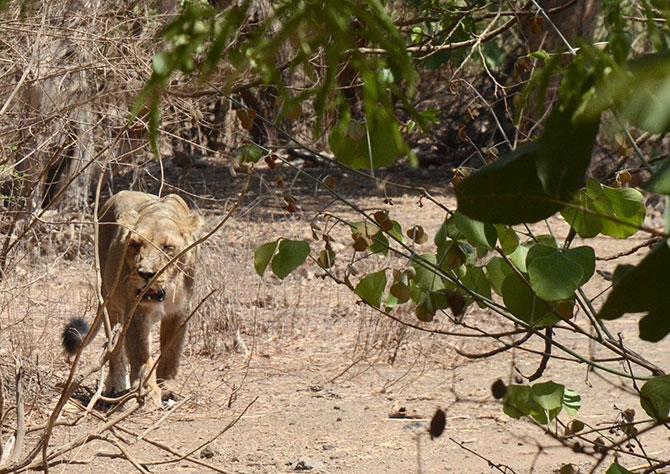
{"x": 212, "y": 185}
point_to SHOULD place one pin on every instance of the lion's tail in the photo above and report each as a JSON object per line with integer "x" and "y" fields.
{"x": 73, "y": 335}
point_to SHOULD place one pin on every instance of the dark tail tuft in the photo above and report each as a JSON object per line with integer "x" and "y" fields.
{"x": 73, "y": 335}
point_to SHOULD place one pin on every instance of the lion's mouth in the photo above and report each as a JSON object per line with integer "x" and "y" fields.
{"x": 153, "y": 295}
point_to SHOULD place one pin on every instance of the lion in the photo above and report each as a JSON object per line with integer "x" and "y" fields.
{"x": 139, "y": 234}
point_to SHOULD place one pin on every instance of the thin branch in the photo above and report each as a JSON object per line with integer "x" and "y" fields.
{"x": 505, "y": 469}
{"x": 212, "y": 439}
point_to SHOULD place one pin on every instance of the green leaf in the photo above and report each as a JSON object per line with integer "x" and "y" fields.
{"x": 507, "y": 191}
{"x": 426, "y": 278}
{"x": 556, "y": 274}
{"x": 348, "y": 141}
{"x": 441, "y": 235}
{"x": 365, "y": 228}
{"x": 386, "y": 142}
{"x": 475, "y": 280}
{"x": 542, "y": 401}
{"x": 476, "y": 233}
{"x": 509, "y": 241}
{"x": 520, "y": 300}
{"x": 497, "y": 270}
{"x": 424, "y": 309}
{"x": 554, "y": 277}
{"x": 371, "y": 288}
{"x": 453, "y": 254}
{"x": 565, "y": 150}
{"x": 250, "y": 154}
{"x": 660, "y": 182}
{"x": 585, "y": 257}
{"x": 627, "y": 207}
{"x": 539, "y": 251}
{"x": 290, "y": 255}
{"x": 655, "y": 397}
{"x": 582, "y": 216}
{"x": 380, "y": 244}
{"x": 263, "y": 255}
{"x": 617, "y": 212}
{"x": 546, "y": 239}
{"x": 548, "y": 395}
{"x": 643, "y": 289}
{"x": 534, "y": 181}
{"x": 641, "y": 91}
{"x": 572, "y": 401}
{"x": 517, "y": 401}
{"x": 617, "y": 468}
{"x": 368, "y": 145}
{"x": 391, "y": 303}
{"x": 396, "y": 231}
{"x": 518, "y": 258}
{"x": 440, "y": 299}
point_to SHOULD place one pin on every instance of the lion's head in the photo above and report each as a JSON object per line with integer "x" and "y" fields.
{"x": 156, "y": 233}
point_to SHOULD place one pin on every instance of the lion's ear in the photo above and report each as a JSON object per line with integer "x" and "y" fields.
{"x": 192, "y": 225}
{"x": 127, "y": 221}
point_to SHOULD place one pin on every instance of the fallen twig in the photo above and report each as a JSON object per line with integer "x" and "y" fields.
{"x": 162, "y": 419}
{"x": 124, "y": 452}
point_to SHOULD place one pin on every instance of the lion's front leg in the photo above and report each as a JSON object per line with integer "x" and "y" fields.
{"x": 138, "y": 349}
{"x": 173, "y": 333}
{"x": 117, "y": 377}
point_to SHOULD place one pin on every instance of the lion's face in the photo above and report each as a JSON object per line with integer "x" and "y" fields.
{"x": 151, "y": 243}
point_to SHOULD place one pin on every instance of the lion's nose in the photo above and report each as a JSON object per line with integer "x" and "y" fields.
{"x": 146, "y": 275}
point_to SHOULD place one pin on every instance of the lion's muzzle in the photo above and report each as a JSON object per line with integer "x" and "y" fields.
{"x": 152, "y": 295}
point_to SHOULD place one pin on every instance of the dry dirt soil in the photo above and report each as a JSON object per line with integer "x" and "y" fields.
{"x": 320, "y": 379}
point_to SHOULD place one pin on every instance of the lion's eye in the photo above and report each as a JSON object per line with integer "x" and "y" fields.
{"x": 168, "y": 248}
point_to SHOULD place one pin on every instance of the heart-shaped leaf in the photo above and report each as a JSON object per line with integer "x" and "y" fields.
{"x": 475, "y": 280}
{"x": 548, "y": 395}
{"x": 523, "y": 303}
{"x": 542, "y": 401}
{"x": 371, "y": 288}
{"x": 507, "y": 191}
{"x": 565, "y": 150}
{"x": 497, "y": 270}
{"x": 556, "y": 274}
{"x": 534, "y": 181}
{"x": 655, "y": 397}
{"x": 509, "y": 241}
{"x": 476, "y": 233}
{"x": 263, "y": 255}
{"x": 290, "y": 255}
{"x": 425, "y": 278}
{"x": 617, "y": 212}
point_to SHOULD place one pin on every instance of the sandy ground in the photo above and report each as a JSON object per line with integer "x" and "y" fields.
{"x": 318, "y": 375}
